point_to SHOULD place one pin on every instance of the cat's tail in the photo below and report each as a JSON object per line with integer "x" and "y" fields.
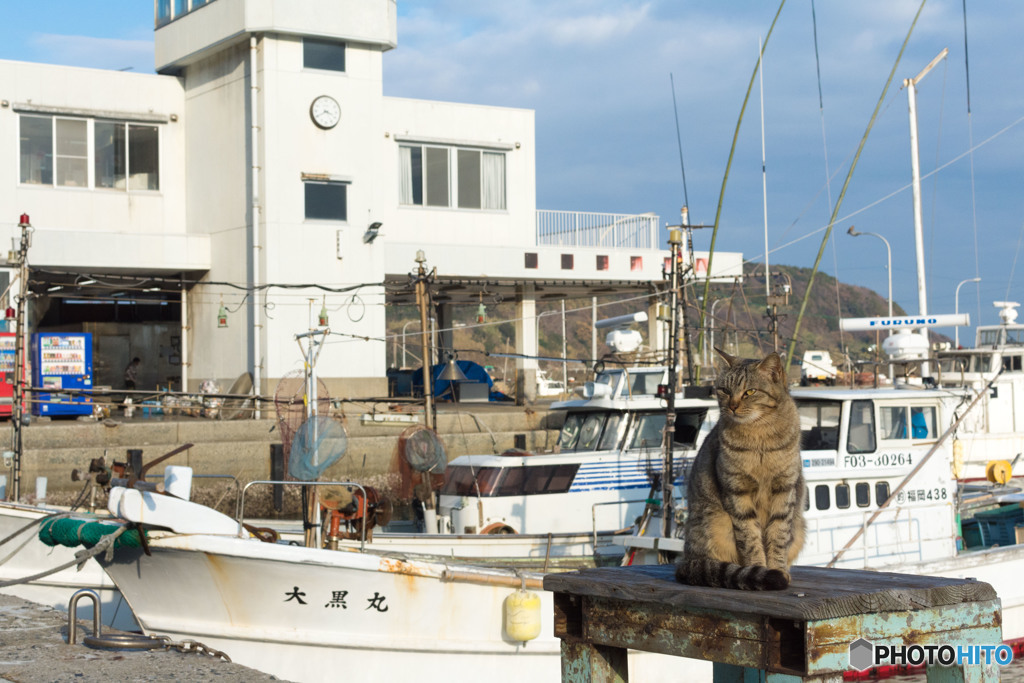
{"x": 716, "y": 574}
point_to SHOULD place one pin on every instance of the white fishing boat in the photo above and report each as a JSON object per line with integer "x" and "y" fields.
{"x": 992, "y": 435}
{"x": 305, "y": 614}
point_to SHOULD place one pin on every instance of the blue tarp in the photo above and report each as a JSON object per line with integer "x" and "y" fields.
{"x": 474, "y": 372}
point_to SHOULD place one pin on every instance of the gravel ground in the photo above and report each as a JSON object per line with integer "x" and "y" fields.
{"x": 34, "y": 649}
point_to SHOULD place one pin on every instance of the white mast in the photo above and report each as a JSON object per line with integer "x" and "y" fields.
{"x": 915, "y": 169}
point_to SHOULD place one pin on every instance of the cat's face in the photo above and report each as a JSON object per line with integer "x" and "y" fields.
{"x": 748, "y": 389}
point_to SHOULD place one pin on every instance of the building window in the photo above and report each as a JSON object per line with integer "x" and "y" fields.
{"x": 37, "y": 150}
{"x": 127, "y": 156}
{"x": 602, "y": 262}
{"x": 326, "y": 200}
{"x": 429, "y": 174}
{"x": 567, "y": 262}
{"x": 530, "y": 260}
{"x": 55, "y": 151}
{"x": 323, "y": 54}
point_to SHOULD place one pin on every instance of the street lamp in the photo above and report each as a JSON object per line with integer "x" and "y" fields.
{"x": 956, "y": 309}
{"x": 888, "y": 266}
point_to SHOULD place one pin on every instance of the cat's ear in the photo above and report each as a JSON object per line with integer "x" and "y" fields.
{"x": 731, "y": 360}
{"x": 771, "y": 365}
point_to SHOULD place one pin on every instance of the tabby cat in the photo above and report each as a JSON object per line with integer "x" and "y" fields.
{"x": 746, "y": 489}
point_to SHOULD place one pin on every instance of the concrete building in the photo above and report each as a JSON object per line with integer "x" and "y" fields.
{"x": 262, "y": 174}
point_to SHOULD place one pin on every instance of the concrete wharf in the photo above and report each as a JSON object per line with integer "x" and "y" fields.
{"x": 53, "y": 448}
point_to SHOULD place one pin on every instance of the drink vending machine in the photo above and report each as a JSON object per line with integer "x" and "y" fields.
{"x": 62, "y": 366}
{"x": 8, "y": 346}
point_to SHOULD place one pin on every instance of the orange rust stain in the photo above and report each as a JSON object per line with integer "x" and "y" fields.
{"x": 222, "y": 580}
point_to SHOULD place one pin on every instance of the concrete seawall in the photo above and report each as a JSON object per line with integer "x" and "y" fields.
{"x": 242, "y": 447}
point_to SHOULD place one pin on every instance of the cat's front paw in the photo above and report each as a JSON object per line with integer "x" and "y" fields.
{"x": 776, "y": 580}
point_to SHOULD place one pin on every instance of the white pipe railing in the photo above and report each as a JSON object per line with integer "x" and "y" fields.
{"x": 583, "y": 229}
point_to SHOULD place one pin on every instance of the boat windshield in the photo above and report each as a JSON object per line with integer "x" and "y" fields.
{"x": 819, "y": 424}
{"x": 463, "y": 480}
{"x": 650, "y": 427}
{"x": 590, "y": 431}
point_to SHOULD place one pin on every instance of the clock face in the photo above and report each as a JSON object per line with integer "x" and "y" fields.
{"x": 325, "y": 112}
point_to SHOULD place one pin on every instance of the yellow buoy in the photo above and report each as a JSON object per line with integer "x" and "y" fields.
{"x": 998, "y": 471}
{"x": 958, "y": 458}
{"x": 522, "y": 615}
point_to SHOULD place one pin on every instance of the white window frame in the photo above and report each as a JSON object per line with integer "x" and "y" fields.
{"x": 90, "y": 159}
{"x": 499, "y": 173}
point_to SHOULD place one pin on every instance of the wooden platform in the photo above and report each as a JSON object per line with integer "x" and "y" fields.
{"x": 801, "y": 633}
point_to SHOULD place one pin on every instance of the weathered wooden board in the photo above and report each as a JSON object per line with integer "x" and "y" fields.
{"x": 815, "y": 594}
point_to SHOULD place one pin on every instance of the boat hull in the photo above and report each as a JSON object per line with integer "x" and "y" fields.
{"x": 29, "y": 556}
{"x": 306, "y": 614}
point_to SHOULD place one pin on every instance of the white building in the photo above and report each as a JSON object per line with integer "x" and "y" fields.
{"x": 261, "y": 157}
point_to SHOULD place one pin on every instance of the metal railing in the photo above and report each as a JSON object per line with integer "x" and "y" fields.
{"x": 611, "y": 230}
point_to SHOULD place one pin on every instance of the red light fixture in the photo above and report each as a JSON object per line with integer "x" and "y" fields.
{"x": 23, "y": 221}
{"x": 662, "y": 391}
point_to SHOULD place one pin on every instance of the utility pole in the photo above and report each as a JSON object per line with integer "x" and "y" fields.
{"x": 310, "y": 355}
{"x": 675, "y": 241}
{"x": 18, "y": 408}
{"x": 422, "y": 301}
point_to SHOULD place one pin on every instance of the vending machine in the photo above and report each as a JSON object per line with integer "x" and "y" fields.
{"x": 61, "y": 367}
{"x": 8, "y": 346}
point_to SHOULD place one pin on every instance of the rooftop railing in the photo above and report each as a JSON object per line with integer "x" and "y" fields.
{"x": 610, "y": 230}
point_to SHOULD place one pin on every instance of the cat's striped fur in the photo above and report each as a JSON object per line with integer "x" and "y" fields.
{"x": 745, "y": 494}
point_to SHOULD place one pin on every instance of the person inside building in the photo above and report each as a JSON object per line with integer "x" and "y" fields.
{"x": 131, "y": 373}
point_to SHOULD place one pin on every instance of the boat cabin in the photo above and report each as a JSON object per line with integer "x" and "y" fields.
{"x": 601, "y": 474}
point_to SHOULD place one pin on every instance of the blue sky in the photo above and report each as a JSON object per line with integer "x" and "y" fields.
{"x": 597, "y": 74}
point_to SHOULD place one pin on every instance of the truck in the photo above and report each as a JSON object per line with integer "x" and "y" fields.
{"x": 817, "y": 368}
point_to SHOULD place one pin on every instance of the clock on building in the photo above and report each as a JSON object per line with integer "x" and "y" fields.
{"x": 325, "y": 112}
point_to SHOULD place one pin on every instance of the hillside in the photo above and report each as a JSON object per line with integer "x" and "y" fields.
{"x": 740, "y": 317}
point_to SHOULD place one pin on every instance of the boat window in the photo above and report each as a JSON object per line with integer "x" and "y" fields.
{"x": 893, "y": 422}
{"x": 610, "y": 438}
{"x": 1014, "y": 336}
{"x": 954, "y": 364}
{"x": 470, "y": 481}
{"x": 861, "y": 436}
{"x": 862, "y": 491}
{"x": 819, "y": 425}
{"x": 989, "y": 337}
{"x": 570, "y": 432}
{"x": 644, "y": 383}
{"x": 807, "y": 499}
{"x": 981, "y": 362}
{"x": 590, "y": 432}
{"x": 822, "y": 499}
{"x": 881, "y": 492}
{"x": 688, "y": 424}
{"x": 1011, "y": 363}
{"x": 537, "y": 479}
{"x": 842, "y": 496}
{"x": 648, "y": 431}
{"x": 922, "y": 422}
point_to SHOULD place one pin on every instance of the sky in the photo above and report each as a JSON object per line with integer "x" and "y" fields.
{"x": 599, "y": 75}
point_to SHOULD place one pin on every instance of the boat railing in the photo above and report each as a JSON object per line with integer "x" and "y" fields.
{"x": 270, "y": 482}
{"x": 593, "y": 513}
{"x": 895, "y": 538}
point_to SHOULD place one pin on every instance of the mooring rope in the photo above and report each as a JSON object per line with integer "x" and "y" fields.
{"x": 105, "y": 544}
